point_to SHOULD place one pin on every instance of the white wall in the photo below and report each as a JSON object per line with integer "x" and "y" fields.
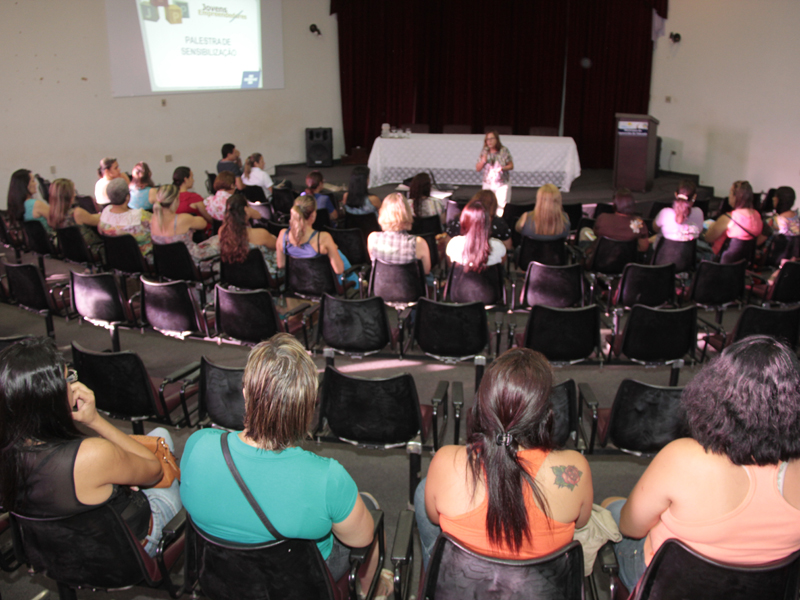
{"x": 734, "y": 81}
{"x": 56, "y": 108}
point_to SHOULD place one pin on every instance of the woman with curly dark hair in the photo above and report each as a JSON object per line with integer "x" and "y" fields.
{"x": 732, "y": 490}
{"x": 237, "y": 238}
{"x": 508, "y": 493}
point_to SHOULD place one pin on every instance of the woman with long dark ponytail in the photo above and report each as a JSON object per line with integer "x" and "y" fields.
{"x": 508, "y": 493}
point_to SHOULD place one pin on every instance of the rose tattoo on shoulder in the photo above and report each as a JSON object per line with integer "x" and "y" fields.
{"x": 567, "y": 477}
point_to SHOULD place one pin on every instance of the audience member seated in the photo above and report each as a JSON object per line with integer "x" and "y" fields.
{"x": 474, "y": 249}
{"x": 118, "y": 219}
{"x": 254, "y": 174}
{"x": 22, "y": 206}
{"x": 232, "y": 162}
{"x": 785, "y": 221}
{"x": 236, "y": 237}
{"x": 742, "y": 223}
{"x": 65, "y": 213}
{"x": 547, "y": 220}
{"x": 500, "y": 229}
{"x": 315, "y": 182}
{"x": 422, "y": 203}
{"x": 214, "y": 206}
{"x": 732, "y": 490}
{"x": 509, "y": 493}
{"x": 683, "y": 221}
{"x": 301, "y": 240}
{"x": 357, "y": 200}
{"x": 167, "y": 226}
{"x": 143, "y": 190}
{"x": 183, "y": 179}
{"x": 304, "y": 495}
{"x": 108, "y": 171}
{"x": 623, "y": 225}
{"x": 394, "y": 244}
{"x": 49, "y": 468}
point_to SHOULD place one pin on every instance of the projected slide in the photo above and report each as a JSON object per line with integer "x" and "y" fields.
{"x": 197, "y": 45}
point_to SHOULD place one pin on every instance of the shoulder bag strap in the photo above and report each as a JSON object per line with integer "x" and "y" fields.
{"x": 242, "y": 486}
{"x": 743, "y": 228}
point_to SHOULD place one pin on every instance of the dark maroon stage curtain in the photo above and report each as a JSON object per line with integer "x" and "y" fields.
{"x": 477, "y": 63}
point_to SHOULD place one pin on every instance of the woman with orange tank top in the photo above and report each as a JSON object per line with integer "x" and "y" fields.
{"x": 732, "y": 490}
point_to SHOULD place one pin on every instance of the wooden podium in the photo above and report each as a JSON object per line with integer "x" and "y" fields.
{"x": 635, "y": 151}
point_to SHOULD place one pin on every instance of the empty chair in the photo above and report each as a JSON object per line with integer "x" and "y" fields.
{"x": 74, "y": 248}
{"x": 379, "y": 413}
{"x": 97, "y": 550}
{"x": 422, "y": 225}
{"x": 171, "y": 308}
{"x": 563, "y": 335}
{"x": 575, "y": 214}
{"x": 282, "y": 202}
{"x": 782, "y": 247}
{"x": 643, "y": 419}
{"x": 290, "y": 569}
{"x": 323, "y": 220}
{"x": 681, "y": 254}
{"x": 352, "y": 243}
{"x": 99, "y": 299}
{"x": 455, "y": 128}
{"x": 511, "y": 214}
{"x": 785, "y": 290}
{"x": 354, "y": 327}
{"x": 309, "y": 278}
{"x": 210, "y": 178}
{"x": 658, "y": 336}
{"x": 252, "y": 274}
{"x": 558, "y": 286}
{"x": 608, "y": 261}
{"x": 547, "y": 252}
{"x": 399, "y": 285}
{"x": 27, "y": 288}
{"x": 38, "y": 242}
{"x": 137, "y": 400}
{"x": 717, "y": 286}
{"x": 781, "y": 323}
{"x": 255, "y": 195}
{"x": 650, "y": 285}
{"x": 501, "y": 129}
{"x": 221, "y": 399}
{"x": 455, "y": 571}
{"x": 487, "y": 286}
{"x": 738, "y": 250}
{"x": 366, "y": 223}
{"x": 123, "y": 255}
{"x": 250, "y": 316}
{"x": 173, "y": 262}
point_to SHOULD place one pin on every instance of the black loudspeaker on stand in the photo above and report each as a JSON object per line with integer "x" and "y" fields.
{"x": 319, "y": 147}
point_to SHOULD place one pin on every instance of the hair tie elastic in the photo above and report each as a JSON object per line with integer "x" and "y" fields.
{"x": 504, "y": 439}
{"x": 682, "y": 196}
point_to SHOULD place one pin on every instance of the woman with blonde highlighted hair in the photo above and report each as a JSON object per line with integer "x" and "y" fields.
{"x": 395, "y": 245}
{"x": 304, "y": 496}
{"x": 547, "y": 220}
{"x": 65, "y": 213}
{"x": 254, "y": 174}
{"x": 169, "y": 227}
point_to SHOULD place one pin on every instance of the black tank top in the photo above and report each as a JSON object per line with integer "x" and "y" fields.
{"x": 49, "y": 489}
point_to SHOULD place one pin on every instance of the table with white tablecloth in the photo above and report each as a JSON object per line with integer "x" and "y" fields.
{"x": 452, "y": 157}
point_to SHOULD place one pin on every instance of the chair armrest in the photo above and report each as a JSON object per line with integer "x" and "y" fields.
{"x": 359, "y": 556}
{"x": 351, "y": 270}
{"x": 458, "y": 405}
{"x": 176, "y": 525}
{"x": 183, "y": 372}
{"x": 403, "y": 553}
{"x": 602, "y": 583}
{"x": 439, "y": 401}
{"x": 586, "y": 395}
{"x": 577, "y": 253}
{"x": 286, "y": 315}
{"x": 708, "y": 324}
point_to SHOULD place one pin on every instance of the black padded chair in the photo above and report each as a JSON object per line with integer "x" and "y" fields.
{"x": 290, "y": 569}
{"x": 221, "y": 400}
{"x": 11, "y": 238}
{"x": 96, "y": 550}
{"x": 563, "y": 335}
{"x": 782, "y": 247}
{"x": 249, "y": 316}
{"x": 558, "y": 286}
{"x": 650, "y": 285}
{"x": 323, "y": 220}
{"x": 785, "y": 291}
{"x": 547, "y": 252}
{"x": 309, "y": 278}
{"x": 575, "y": 214}
{"x": 487, "y": 287}
{"x": 658, "y": 336}
{"x": 453, "y": 209}
{"x": 717, "y": 286}
{"x": 677, "y": 572}
{"x": 432, "y": 224}
{"x": 170, "y": 307}
{"x": 738, "y": 250}
{"x": 173, "y": 262}
{"x": 366, "y": 223}
{"x": 608, "y": 261}
{"x": 357, "y": 327}
{"x": 353, "y": 245}
{"x": 99, "y": 299}
{"x": 643, "y": 419}
{"x": 381, "y": 414}
{"x": 210, "y": 179}
{"x": 252, "y": 274}
{"x": 27, "y": 287}
{"x": 282, "y": 202}
{"x": 124, "y": 257}
{"x": 255, "y": 195}
{"x": 781, "y": 323}
{"x": 74, "y": 248}
{"x": 456, "y": 572}
{"x": 38, "y": 242}
{"x": 8, "y": 557}
{"x": 141, "y": 397}
{"x": 399, "y": 285}
{"x": 511, "y": 214}
{"x": 682, "y": 254}
{"x": 86, "y": 203}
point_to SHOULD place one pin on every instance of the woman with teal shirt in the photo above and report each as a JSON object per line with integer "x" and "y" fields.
{"x": 143, "y": 190}
{"x": 22, "y": 206}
